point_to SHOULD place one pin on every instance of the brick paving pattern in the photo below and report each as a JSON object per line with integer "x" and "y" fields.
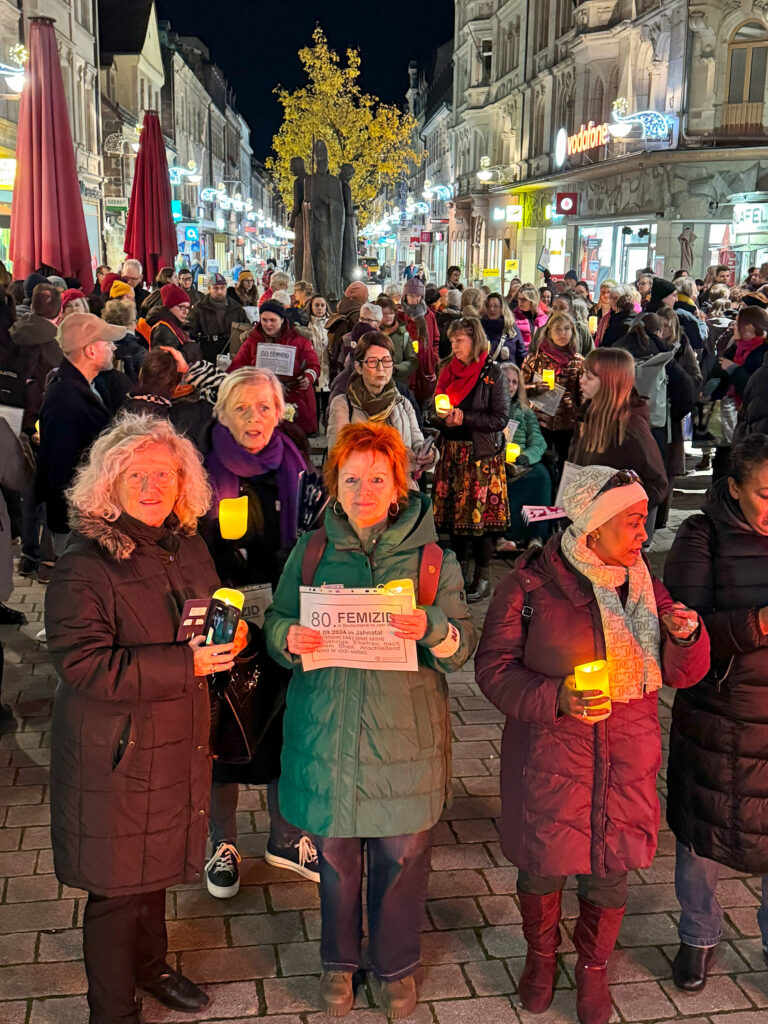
{"x": 258, "y": 954}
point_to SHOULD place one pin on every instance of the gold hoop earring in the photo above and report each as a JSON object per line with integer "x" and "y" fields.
{"x": 595, "y": 537}
{"x": 396, "y": 512}
{"x": 338, "y": 510}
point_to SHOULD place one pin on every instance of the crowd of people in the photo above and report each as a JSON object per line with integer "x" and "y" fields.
{"x": 442, "y": 415}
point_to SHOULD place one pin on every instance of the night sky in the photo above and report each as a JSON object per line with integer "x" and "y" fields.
{"x": 256, "y": 44}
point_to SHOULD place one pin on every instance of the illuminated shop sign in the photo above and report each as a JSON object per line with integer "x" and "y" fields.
{"x": 750, "y": 218}
{"x": 647, "y": 125}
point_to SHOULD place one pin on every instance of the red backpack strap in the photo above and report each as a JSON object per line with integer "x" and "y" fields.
{"x": 429, "y": 573}
{"x": 313, "y": 552}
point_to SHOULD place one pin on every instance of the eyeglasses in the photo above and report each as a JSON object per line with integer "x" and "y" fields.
{"x": 373, "y": 364}
{"x": 368, "y": 320}
{"x": 622, "y": 478}
{"x": 162, "y": 478}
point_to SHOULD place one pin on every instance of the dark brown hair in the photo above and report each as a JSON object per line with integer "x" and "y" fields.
{"x": 159, "y": 374}
{"x": 46, "y": 301}
{"x": 370, "y": 340}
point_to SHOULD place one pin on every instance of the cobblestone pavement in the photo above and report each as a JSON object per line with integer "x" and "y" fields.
{"x": 257, "y": 954}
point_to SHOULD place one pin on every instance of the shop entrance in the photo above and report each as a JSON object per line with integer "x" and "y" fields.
{"x": 638, "y": 248}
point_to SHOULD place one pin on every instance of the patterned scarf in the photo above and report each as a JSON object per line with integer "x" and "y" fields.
{"x": 376, "y": 407}
{"x": 632, "y": 634}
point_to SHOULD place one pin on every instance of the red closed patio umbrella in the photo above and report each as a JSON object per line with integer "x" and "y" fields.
{"x": 47, "y": 220}
{"x": 150, "y": 235}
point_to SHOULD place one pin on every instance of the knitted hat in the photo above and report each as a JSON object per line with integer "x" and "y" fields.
{"x": 357, "y": 291}
{"x": 107, "y": 281}
{"x": 588, "y": 505}
{"x": 69, "y": 295}
{"x": 431, "y": 294}
{"x": 414, "y": 286}
{"x": 173, "y": 295}
{"x": 31, "y": 281}
{"x": 571, "y": 276}
{"x": 270, "y": 306}
{"x": 120, "y": 289}
{"x": 660, "y": 289}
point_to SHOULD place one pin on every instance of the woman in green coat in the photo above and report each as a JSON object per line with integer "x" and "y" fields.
{"x": 366, "y": 752}
{"x": 528, "y": 479}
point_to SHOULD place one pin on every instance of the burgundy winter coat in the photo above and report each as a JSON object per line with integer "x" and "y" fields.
{"x": 576, "y": 798}
{"x": 306, "y": 363}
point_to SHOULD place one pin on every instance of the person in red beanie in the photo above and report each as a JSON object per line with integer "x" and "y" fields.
{"x": 274, "y": 329}
{"x": 165, "y": 325}
{"x": 73, "y": 301}
{"x": 414, "y": 305}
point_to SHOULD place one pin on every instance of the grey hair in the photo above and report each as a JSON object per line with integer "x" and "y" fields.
{"x": 581, "y": 310}
{"x": 393, "y": 289}
{"x": 135, "y": 264}
{"x": 623, "y": 290}
{"x": 244, "y": 377}
{"x": 281, "y": 296}
{"x": 279, "y": 280}
{"x": 686, "y": 286}
{"x": 373, "y": 310}
{"x": 94, "y": 491}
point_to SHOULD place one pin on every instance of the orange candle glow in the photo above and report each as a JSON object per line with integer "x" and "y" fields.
{"x": 513, "y": 450}
{"x": 233, "y": 517}
{"x": 593, "y": 325}
{"x": 548, "y": 376}
{"x": 443, "y": 404}
{"x": 593, "y": 676}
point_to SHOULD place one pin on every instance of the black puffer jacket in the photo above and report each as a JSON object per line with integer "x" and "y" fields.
{"x": 130, "y": 768}
{"x": 486, "y": 413}
{"x": 718, "y": 756}
{"x": 753, "y": 415}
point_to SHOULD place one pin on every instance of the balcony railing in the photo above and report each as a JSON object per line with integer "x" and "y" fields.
{"x": 744, "y": 119}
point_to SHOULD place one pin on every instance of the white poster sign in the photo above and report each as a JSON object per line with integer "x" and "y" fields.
{"x": 280, "y": 359}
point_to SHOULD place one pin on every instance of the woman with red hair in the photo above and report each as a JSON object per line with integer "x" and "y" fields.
{"x": 366, "y": 751}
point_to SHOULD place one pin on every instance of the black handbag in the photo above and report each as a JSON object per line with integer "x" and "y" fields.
{"x": 234, "y": 699}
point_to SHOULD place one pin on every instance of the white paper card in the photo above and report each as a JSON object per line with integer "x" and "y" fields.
{"x": 356, "y": 630}
{"x": 570, "y": 472}
{"x": 280, "y": 359}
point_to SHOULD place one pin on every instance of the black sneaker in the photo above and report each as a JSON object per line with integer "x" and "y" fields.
{"x": 301, "y": 858}
{"x": 27, "y": 566}
{"x": 222, "y": 876}
{"x": 11, "y": 617}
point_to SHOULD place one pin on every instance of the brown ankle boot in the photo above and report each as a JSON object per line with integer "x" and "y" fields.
{"x": 541, "y": 928}
{"x": 336, "y": 994}
{"x": 594, "y": 937}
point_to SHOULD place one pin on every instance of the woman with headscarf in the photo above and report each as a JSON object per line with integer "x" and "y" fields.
{"x": 579, "y": 762}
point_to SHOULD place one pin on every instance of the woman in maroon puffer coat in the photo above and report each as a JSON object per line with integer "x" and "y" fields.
{"x": 578, "y": 776}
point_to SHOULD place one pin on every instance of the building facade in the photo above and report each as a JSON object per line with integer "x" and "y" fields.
{"x": 607, "y": 137}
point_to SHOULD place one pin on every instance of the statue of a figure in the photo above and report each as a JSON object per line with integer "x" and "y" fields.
{"x": 297, "y": 215}
{"x": 322, "y": 190}
{"x": 349, "y": 245}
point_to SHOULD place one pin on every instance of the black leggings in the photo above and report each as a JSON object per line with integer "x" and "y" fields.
{"x": 604, "y": 891}
{"x": 482, "y": 548}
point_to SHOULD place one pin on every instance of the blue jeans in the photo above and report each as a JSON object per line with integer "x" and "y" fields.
{"x": 398, "y": 873}
{"x": 701, "y": 916}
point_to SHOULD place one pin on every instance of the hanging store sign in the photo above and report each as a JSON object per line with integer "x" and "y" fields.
{"x": 514, "y": 213}
{"x": 566, "y": 203}
{"x": 750, "y": 218}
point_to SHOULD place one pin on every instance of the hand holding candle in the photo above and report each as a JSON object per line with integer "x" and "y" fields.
{"x": 233, "y": 517}
{"x": 442, "y": 405}
{"x": 513, "y": 450}
{"x": 586, "y": 694}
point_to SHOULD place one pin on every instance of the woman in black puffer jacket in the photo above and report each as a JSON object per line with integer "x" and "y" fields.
{"x": 718, "y": 759}
{"x": 470, "y": 492}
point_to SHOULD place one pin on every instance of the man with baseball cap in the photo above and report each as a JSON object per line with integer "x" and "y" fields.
{"x": 210, "y": 322}
{"x": 73, "y": 413}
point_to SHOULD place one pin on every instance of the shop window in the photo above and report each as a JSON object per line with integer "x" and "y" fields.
{"x": 747, "y": 64}
{"x": 596, "y": 101}
{"x": 486, "y": 60}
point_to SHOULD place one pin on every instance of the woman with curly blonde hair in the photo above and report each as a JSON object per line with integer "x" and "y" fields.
{"x": 130, "y": 767}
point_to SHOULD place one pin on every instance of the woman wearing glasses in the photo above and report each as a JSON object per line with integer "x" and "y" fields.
{"x": 130, "y": 768}
{"x": 371, "y": 395}
{"x": 579, "y": 762}
{"x": 470, "y": 492}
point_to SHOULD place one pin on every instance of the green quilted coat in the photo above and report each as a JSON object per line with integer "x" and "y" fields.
{"x": 367, "y": 753}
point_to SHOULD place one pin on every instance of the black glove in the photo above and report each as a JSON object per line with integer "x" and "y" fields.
{"x": 522, "y": 461}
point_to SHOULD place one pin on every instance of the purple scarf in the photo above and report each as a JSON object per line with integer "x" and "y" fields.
{"x": 229, "y": 462}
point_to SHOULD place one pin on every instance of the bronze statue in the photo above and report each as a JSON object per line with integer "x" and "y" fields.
{"x": 298, "y": 217}
{"x": 323, "y": 193}
{"x": 349, "y": 244}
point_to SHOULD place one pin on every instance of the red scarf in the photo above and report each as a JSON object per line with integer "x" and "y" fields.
{"x": 457, "y": 379}
{"x": 559, "y": 356}
{"x": 746, "y": 345}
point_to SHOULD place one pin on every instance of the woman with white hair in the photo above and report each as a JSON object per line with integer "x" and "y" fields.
{"x": 622, "y": 313}
{"x": 130, "y": 767}
{"x": 252, "y": 456}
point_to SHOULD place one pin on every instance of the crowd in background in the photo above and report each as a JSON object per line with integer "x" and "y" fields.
{"x": 442, "y": 413}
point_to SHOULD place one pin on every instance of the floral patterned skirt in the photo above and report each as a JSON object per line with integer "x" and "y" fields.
{"x": 470, "y": 496}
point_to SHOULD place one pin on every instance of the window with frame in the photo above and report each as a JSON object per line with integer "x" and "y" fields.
{"x": 563, "y": 17}
{"x": 747, "y": 62}
{"x": 542, "y": 26}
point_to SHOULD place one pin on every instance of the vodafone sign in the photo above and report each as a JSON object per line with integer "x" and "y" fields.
{"x": 589, "y": 136}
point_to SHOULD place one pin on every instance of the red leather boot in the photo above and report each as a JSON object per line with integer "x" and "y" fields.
{"x": 541, "y": 928}
{"x": 594, "y": 937}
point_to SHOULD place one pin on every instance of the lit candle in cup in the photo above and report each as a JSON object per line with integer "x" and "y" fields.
{"x": 513, "y": 450}
{"x": 548, "y": 376}
{"x": 415, "y": 343}
{"x": 593, "y": 676}
{"x": 593, "y": 325}
{"x": 443, "y": 404}
{"x": 233, "y": 517}
{"x": 401, "y": 587}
